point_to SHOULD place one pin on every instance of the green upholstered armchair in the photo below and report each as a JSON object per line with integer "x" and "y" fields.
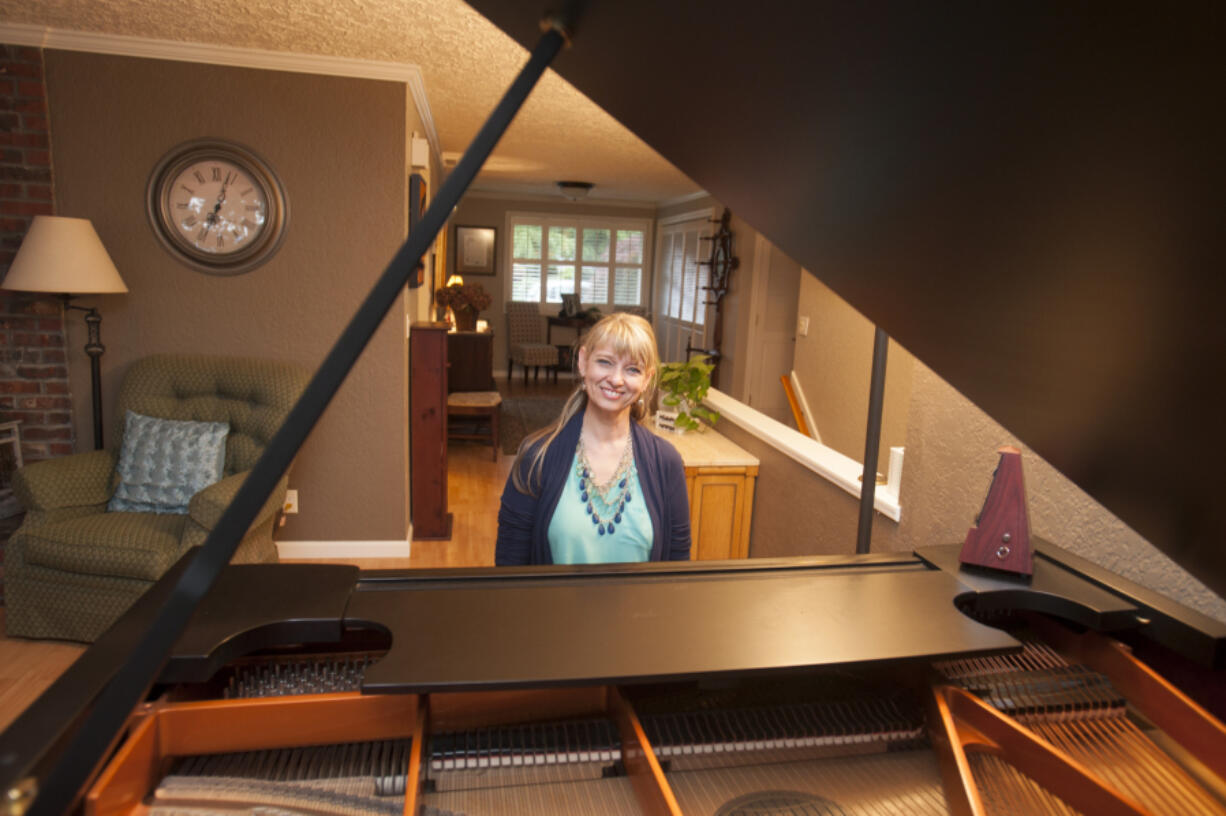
{"x": 73, "y": 566}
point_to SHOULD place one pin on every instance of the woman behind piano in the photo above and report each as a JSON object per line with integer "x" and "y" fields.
{"x": 597, "y": 486}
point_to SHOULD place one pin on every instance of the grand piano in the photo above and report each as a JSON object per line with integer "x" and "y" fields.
{"x": 1022, "y": 197}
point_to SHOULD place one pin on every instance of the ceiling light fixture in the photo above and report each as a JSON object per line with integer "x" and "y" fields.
{"x": 575, "y": 190}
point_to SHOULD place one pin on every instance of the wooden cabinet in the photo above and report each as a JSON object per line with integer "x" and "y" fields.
{"x": 428, "y": 430}
{"x": 720, "y": 476}
{"x": 471, "y": 361}
{"x": 721, "y": 507}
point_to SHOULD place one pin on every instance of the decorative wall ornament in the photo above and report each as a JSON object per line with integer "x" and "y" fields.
{"x": 722, "y": 263}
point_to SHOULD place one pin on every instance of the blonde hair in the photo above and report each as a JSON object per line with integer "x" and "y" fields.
{"x": 624, "y": 334}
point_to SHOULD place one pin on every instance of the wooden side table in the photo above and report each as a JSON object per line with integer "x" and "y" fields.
{"x": 470, "y": 361}
{"x": 579, "y": 324}
{"x": 566, "y": 359}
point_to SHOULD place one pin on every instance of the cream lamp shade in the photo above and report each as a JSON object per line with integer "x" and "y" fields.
{"x": 455, "y": 280}
{"x": 63, "y": 255}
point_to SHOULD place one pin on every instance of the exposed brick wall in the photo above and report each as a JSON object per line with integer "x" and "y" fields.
{"x": 33, "y": 357}
{"x": 34, "y": 374}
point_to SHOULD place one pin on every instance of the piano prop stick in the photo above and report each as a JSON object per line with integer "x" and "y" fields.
{"x": 1000, "y": 539}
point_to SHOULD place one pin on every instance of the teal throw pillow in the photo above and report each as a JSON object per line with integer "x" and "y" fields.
{"x": 164, "y": 462}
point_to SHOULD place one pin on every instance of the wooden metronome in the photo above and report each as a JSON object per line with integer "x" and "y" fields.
{"x": 1000, "y": 539}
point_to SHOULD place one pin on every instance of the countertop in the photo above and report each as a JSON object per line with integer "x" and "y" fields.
{"x": 706, "y": 448}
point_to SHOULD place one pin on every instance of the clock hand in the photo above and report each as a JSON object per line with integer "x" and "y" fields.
{"x": 221, "y": 197}
{"x": 211, "y": 218}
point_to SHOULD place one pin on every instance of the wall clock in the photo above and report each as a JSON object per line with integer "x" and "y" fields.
{"x": 217, "y": 206}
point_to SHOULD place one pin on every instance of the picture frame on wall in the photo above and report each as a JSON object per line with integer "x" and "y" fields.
{"x": 417, "y": 208}
{"x": 474, "y": 250}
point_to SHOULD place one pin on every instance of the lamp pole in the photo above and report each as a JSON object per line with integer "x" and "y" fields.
{"x": 95, "y": 350}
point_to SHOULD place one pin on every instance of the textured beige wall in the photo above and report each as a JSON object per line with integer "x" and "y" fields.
{"x": 796, "y": 512}
{"x": 834, "y": 366}
{"x": 338, "y": 145}
{"x": 951, "y": 455}
{"x": 481, "y": 211}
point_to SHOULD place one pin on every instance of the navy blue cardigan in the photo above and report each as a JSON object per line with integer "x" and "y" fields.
{"x": 523, "y": 521}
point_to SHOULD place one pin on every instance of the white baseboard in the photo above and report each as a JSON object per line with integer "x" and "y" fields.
{"x": 291, "y": 550}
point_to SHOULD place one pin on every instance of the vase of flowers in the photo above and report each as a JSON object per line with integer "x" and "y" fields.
{"x": 466, "y": 300}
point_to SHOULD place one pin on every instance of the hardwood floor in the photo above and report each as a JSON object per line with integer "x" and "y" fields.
{"x": 26, "y": 668}
{"x": 474, "y": 485}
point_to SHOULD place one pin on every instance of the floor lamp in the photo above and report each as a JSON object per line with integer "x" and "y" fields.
{"x": 65, "y": 256}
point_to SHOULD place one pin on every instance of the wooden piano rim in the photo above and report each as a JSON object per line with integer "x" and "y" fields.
{"x": 1184, "y": 720}
{"x": 959, "y": 721}
{"x": 168, "y": 730}
{"x": 182, "y": 729}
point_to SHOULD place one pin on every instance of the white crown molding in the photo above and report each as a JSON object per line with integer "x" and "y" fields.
{"x": 64, "y": 40}
{"x": 417, "y": 87}
{"x": 692, "y": 215}
{"x": 672, "y": 202}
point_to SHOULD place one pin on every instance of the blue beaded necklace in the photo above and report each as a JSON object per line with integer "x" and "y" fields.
{"x": 605, "y": 512}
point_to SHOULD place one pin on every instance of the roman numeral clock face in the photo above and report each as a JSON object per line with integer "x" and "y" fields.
{"x": 217, "y": 207}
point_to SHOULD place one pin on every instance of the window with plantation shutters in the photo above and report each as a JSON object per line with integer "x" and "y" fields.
{"x": 681, "y": 297}
{"x": 526, "y": 255}
{"x": 602, "y": 260}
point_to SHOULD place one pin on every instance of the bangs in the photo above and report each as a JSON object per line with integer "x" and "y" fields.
{"x": 624, "y": 338}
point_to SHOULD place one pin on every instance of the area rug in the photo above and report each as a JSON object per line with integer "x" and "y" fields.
{"x": 523, "y": 415}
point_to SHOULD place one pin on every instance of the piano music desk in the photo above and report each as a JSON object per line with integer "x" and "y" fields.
{"x": 720, "y": 477}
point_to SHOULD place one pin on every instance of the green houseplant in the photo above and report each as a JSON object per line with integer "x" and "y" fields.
{"x": 683, "y": 387}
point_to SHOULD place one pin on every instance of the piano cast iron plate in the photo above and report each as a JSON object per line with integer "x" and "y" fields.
{"x": 593, "y": 629}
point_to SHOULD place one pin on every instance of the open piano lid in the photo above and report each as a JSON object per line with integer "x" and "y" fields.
{"x": 1028, "y": 197}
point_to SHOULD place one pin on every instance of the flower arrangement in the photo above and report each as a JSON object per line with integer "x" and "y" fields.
{"x": 460, "y": 296}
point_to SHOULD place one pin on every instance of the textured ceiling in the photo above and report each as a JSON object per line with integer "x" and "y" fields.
{"x": 465, "y": 60}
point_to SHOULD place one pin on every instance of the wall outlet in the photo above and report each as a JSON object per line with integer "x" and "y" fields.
{"x": 802, "y": 325}
{"x": 291, "y": 501}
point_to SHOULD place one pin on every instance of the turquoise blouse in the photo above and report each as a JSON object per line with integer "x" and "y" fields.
{"x": 575, "y": 539}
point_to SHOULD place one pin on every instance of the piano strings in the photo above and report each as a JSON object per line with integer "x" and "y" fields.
{"x": 282, "y": 677}
{"x": 854, "y": 746}
{"x": 359, "y": 779}
{"x": 1078, "y": 711}
{"x": 562, "y": 767}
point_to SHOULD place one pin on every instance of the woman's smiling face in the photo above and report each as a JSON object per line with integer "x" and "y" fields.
{"x": 613, "y": 381}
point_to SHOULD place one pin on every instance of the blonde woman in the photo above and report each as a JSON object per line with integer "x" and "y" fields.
{"x": 597, "y": 486}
